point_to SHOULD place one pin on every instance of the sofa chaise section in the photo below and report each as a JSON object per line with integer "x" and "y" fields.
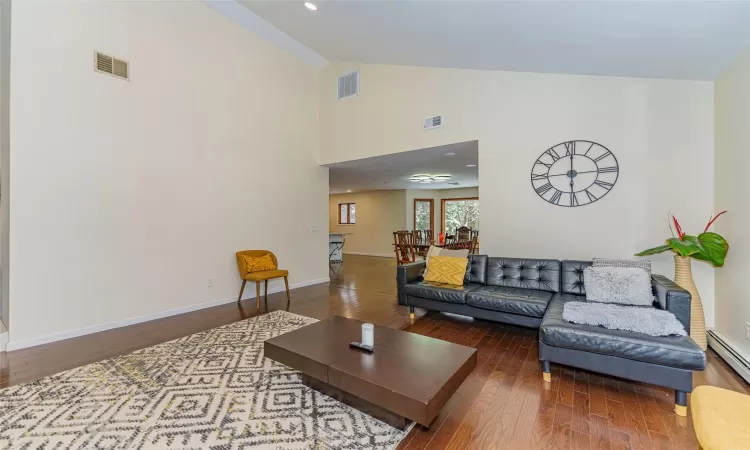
{"x": 665, "y": 360}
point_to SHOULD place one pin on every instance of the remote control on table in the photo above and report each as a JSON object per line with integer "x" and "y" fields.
{"x": 362, "y": 347}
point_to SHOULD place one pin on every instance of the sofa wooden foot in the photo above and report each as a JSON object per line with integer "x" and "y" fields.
{"x": 411, "y": 312}
{"x": 547, "y": 371}
{"x": 680, "y": 403}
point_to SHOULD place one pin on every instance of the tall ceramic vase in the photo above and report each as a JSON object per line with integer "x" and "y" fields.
{"x": 683, "y": 276}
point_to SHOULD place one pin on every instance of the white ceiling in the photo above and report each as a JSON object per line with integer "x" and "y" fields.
{"x": 393, "y": 171}
{"x": 694, "y": 40}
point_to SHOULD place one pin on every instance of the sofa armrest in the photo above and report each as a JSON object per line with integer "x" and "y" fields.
{"x": 407, "y": 273}
{"x": 671, "y": 297}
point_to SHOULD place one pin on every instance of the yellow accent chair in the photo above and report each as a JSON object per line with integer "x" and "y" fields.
{"x": 262, "y": 275}
{"x": 721, "y": 418}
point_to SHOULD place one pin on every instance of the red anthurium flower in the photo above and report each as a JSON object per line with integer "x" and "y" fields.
{"x": 680, "y": 234}
{"x": 710, "y": 222}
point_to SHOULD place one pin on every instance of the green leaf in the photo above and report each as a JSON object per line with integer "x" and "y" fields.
{"x": 685, "y": 247}
{"x": 654, "y": 251}
{"x": 713, "y": 248}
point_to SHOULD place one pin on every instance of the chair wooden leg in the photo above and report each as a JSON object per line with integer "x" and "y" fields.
{"x": 241, "y": 289}
{"x": 288, "y": 299}
{"x": 265, "y": 295}
{"x": 257, "y": 295}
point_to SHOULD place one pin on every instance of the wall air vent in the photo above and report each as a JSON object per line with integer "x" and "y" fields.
{"x": 111, "y": 66}
{"x": 348, "y": 85}
{"x": 432, "y": 122}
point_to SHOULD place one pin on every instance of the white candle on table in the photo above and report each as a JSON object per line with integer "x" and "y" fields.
{"x": 368, "y": 334}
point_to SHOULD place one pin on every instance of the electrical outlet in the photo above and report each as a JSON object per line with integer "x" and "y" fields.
{"x": 313, "y": 229}
{"x": 210, "y": 283}
{"x": 747, "y": 331}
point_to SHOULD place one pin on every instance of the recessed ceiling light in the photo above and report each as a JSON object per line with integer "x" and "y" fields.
{"x": 348, "y": 190}
{"x": 311, "y": 6}
{"x": 471, "y": 165}
{"x": 450, "y": 154}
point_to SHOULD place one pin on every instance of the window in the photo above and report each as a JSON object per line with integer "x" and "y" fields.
{"x": 423, "y": 214}
{"x": 460, "y": 212}
{"x": 347, "y": 214}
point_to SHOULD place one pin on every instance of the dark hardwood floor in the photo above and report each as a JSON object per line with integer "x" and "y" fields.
{"x": 503, "y": 404}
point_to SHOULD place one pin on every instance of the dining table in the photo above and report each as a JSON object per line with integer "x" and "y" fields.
{"x": 426, "y": 246}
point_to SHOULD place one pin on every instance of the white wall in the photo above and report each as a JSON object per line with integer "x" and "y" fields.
{"x": 126, "y": 197}
{"x": 659, "y": 130}
{"x": 732, "y": 92}
{"x": 436, "y": 195}
{"x": 378, "y": 215}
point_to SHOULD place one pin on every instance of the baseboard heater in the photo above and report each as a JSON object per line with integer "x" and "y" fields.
{"x": 730, "y": 355}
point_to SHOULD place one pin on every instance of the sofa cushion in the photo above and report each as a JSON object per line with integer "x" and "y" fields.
{"x": 644, "y": 264}
{"x": 526, "y": 302}
{"x": 476, "y": 270}
{"x": 440, "y": 251}
{"x": 446, "y": 269}
{"x": 572, "y": 277}
{"x": 539, "y": 274}
{"x": 440, "y": 292}
{"x": 672, "y": 351}
{"x": 621, "y": 285}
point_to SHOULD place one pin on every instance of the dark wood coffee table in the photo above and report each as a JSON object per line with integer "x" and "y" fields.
{"x": 409, "y": 376}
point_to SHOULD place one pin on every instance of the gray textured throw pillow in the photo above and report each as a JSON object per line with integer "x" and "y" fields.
{"x": 613, "y": 262}
{"x": 623, "y": 285}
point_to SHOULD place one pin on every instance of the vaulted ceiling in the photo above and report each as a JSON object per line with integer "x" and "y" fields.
{"x": 693, "y": 40}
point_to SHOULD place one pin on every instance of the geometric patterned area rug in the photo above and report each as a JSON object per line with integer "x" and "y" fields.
{"x": 212, "y": 390}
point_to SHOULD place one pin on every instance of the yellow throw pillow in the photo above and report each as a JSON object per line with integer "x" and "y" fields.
{"x": 259, "y": 263}
{"x": 446, "y": 269}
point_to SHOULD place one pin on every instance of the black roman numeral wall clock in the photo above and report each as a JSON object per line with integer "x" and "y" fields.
{"x": 574, "y": 173}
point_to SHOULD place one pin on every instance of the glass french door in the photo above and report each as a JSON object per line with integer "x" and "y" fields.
{"x": 460, "y": 212}
{"x": 423, "y": 214}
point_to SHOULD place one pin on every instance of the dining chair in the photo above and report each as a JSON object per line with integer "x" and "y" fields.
{"x": 404, "y": 247}
{"x": 247, "y": 273}
{"x": 463, "y": 238}
{"x": 422, "y": 241}
{"x": 474, "y": 242}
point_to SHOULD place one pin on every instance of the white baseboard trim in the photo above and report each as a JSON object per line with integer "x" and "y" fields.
{"x": 379, "y": 255}
{"x": 729, "y": 353}
{"x": 33, "y": 342}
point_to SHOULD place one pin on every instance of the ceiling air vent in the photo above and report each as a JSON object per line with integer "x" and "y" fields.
{"x": 432, "y": 122}
{"x": 111, "y": 66}
{"x": 348, "y": 85}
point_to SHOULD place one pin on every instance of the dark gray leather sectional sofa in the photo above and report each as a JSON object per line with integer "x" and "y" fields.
{"x": 532, "y": 293}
